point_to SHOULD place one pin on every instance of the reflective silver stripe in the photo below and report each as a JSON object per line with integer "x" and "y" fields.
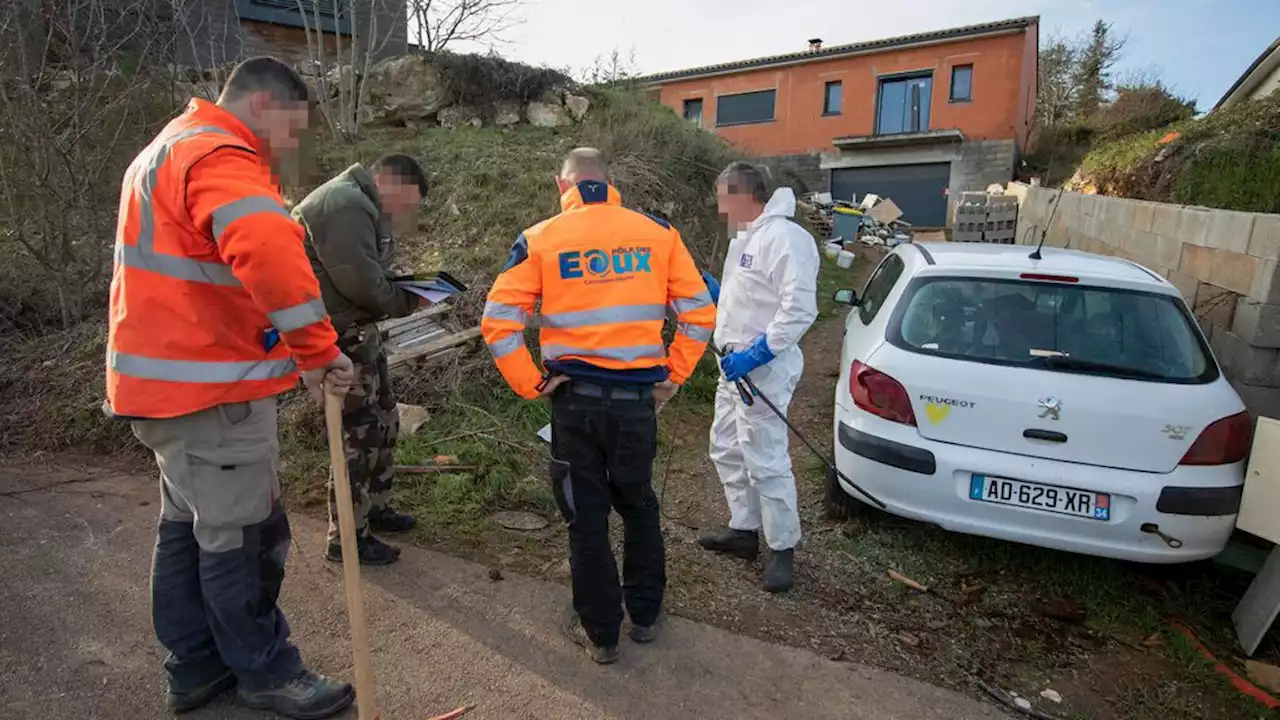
{"x": 604, "y": 316}
{"x": 244, "y": 207}
{"x": 696, "y": 332}
{"x": 684, "y": 305}
{"x": 505, "y": 346}
{"x": 196, "y": 371}
{"x": 143, "y": 255}
{"x": 298, "y": 316}
{"x": 622, "y": 354}
{"x": 503, "y": 311}
{"x": 175, "y": 267}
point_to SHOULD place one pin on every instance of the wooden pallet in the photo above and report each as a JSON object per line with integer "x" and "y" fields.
{"x": 423, "y": 336}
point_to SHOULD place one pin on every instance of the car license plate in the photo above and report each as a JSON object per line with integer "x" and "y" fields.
{"x": 1049, "y": 498}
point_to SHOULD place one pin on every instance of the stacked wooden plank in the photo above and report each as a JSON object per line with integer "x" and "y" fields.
{"x": 424, "y": 336}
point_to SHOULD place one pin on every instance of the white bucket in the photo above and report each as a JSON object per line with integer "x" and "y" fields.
{"x": 845, "y": 259}
{"x": 834, "y": 248}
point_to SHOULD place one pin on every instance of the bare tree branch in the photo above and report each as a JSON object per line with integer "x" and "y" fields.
{"x": 441, "y": 23}
{"x": 77, "y": 100}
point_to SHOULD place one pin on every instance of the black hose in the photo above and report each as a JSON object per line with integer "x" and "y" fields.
{"x": 666, "y": 468}
{"x": 782, "y": 416}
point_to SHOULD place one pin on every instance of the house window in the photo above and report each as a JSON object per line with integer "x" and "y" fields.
{"x": 745, "y": 108}
{"x": 962, "y": 83}
{"x": 831, "y": 98}
{"x": 903, "y": 106}
{"x": 693, "y": 111}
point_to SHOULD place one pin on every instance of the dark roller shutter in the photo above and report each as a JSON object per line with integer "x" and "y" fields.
{"x": 919, "y": 190}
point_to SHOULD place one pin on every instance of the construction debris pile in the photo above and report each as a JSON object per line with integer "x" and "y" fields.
{"x": 874, "y": 221}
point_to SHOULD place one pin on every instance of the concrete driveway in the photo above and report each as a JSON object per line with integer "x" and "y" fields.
{"x": 76, "y": 639}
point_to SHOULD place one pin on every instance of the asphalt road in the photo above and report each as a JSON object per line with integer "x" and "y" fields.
{"x": 76, "y": 640}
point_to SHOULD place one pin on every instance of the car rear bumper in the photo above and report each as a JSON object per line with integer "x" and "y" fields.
{"x": 929, "y": 481}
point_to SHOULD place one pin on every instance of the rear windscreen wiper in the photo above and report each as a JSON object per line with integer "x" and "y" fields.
{"x": 1065, "y": 362}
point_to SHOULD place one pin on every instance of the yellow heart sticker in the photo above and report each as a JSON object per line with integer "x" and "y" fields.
{"x": 936, "y": 412}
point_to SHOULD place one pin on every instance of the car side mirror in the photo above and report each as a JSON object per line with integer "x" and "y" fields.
{"x": 846, "y": 297}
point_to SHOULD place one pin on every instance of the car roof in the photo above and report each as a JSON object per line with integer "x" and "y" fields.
{"x": 987, "y": 257}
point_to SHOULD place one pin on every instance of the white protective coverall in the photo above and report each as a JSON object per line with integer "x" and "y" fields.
{"x": 768, "y": 285}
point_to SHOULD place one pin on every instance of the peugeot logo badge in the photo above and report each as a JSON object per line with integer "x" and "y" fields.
{"x": 1050, "y": 407}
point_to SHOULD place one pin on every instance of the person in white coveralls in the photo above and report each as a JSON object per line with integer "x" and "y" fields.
{"x": 766, "y": 300}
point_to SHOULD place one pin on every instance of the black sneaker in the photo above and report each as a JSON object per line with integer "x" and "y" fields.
{"x": 572, "y": 628}
{"x": 744, "y": 544}
{"x": 371, "y": 550}
{"x": 180, "y": 701}
{"x": 645, "y": 634}
{"x": 309, "y": 696}
{"x": 387, "y": 521}
{"x": 778, "y": 571}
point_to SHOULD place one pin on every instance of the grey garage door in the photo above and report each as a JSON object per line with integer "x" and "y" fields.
{"x": 919, "y": 190}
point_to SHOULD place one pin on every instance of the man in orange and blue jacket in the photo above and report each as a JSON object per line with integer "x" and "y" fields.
{"x": 606, "y": 276}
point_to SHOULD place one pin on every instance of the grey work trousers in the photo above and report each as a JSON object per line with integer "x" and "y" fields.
{"x": 221, "y": 547}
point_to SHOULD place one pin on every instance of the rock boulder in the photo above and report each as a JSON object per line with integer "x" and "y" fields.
{"x": 506, "y": 114}
{"x": 548, "y": 115}
{"x": 456, "y": 116}
{"x": 577, "y": 105}
{"x": 404, "y": 89}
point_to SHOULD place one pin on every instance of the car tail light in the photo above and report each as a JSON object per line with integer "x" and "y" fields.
{"x": 880, "y": 395}
{"x": 1222, "y": 443}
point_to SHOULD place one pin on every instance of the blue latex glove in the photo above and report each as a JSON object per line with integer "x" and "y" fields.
{"x": 737, "y": 364}
{"x": 713, "y": 286}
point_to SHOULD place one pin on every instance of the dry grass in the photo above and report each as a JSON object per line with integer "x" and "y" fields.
{"x": 488, "y": 184}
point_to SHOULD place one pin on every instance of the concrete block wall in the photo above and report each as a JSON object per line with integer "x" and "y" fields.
{"x": 1226, "y": 265}
{"x": 981, "y": 163}
{"x": 978, "y": 164}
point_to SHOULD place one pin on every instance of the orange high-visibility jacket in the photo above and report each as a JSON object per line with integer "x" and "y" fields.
{"x": 606, "y": 276}
{"x": 207, "y": 263}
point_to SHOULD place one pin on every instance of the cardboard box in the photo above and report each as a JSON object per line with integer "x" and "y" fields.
{"x": 885, "y": 211}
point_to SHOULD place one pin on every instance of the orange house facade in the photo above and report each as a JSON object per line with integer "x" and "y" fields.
{"x": 919, "y": 118}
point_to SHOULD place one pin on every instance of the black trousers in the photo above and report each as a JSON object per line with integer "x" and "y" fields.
{"x": 603, "y": 443}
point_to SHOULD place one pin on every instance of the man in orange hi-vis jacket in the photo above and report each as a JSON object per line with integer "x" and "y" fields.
{"x": 606, "y": 276}
{"x": 214, "y": 311}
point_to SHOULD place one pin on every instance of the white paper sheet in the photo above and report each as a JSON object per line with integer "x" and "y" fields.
{"x": 545, "y": 433}
{"x": 433, "y": 296}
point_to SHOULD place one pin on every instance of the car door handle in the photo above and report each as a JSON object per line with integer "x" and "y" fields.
{"x": 1050, "y": 435}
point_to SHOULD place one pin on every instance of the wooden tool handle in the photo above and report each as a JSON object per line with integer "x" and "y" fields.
{"x": 366, "y": 700}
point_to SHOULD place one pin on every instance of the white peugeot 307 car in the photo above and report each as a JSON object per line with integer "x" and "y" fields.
{"x": 1068, "y": 401}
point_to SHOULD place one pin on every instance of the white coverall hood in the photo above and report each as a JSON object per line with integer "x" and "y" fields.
{"x": 768, "y": 286}
{"x": 770, "y": 279}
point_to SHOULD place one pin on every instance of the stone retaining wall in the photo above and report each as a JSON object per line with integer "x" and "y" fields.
{"x": 1226, "y": 264}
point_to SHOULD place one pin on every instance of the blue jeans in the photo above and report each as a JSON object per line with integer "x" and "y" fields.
{"x": 221, "y": 547}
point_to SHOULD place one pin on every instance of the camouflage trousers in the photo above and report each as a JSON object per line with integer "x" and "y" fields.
{"x": 370, "y": 426}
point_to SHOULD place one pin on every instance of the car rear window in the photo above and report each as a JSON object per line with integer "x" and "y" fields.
{"x": 1053, "y": 326}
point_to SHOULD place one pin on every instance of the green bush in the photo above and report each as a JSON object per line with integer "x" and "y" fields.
{"x": 483, "y": 81}
{"x": 1228, "y": 159}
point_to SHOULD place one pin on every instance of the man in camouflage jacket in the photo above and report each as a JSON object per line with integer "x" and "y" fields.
{"x": 350, "y": 244}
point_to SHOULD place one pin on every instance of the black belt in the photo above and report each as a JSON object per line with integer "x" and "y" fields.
{"x": 587, "y": 388}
